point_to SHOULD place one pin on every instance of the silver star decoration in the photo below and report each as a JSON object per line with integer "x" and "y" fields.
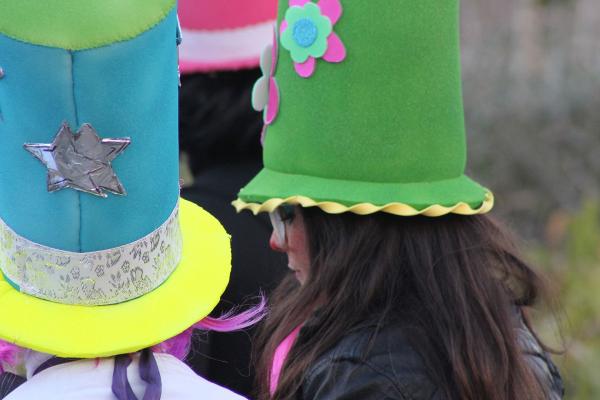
{"x": 81, "y": 161}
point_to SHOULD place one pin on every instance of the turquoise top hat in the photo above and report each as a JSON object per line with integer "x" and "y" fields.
{"x": 122, "y": 88}
{"x": 92, "y": 231}
{"x": 363, "y": 111}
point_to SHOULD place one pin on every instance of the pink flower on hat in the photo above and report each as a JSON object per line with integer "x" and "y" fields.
{"x": 265, "y": 93}
{"x": 307, "y": 32}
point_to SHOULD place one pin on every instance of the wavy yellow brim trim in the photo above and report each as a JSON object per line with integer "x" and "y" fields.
{"x": 400, "y": 209}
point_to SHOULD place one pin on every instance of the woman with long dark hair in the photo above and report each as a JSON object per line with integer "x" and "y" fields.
{"x": 405, "y": 308}
{"x": 402, "y": 288}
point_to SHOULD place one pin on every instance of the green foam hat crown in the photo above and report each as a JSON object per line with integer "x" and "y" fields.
{"x": 79, "y": 24}
{"x": 371, "y": 122}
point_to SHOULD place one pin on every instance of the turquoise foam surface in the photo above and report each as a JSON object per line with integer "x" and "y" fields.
{"x": 125, "y": 89}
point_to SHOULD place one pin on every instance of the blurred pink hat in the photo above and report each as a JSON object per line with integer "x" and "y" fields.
{"x": 224, "y": 34}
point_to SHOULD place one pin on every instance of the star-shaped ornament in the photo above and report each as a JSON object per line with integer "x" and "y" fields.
{"x": 81, "y": 161}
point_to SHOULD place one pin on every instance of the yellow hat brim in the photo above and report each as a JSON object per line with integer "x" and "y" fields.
{"x": 186, "y": 297}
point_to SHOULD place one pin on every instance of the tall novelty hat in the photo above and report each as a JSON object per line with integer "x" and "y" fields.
{"x": 98, "y": 255}
{"x": 224, "y": 34}
{"x": 363, "y": 110}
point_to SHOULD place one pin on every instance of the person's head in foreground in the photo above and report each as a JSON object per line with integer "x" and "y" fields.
{"x": 102, "y": 265}
{"x": 401, "y": 286}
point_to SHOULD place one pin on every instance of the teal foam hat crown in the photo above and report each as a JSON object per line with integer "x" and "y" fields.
{"x": 72, "y": 63}
{"x": 363, "y": 111}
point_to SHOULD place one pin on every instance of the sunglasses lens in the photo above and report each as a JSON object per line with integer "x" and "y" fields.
{"x": 278, "y": 227}
{"x": 286, "y": 212}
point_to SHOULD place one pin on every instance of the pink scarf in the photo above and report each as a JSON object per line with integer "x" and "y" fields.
{"x": 279, "y": 358}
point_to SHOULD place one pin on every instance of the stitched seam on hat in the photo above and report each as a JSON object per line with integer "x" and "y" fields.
{"x": 131, "y": 35}
{"x": 1, "y": 77}
{"x": 76, "y": 127}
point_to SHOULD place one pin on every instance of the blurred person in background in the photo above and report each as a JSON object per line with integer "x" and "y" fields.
{"x": 401, "y": 286}
{"x": 219, "y": 141}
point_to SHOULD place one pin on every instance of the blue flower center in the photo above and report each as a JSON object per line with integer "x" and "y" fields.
{"x": 305, "y": 32}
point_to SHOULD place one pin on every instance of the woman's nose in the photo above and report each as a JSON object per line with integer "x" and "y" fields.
{"x": 274, "y": 243}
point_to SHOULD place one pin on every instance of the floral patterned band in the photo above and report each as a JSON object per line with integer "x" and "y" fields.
{"x": 95, "y": 278}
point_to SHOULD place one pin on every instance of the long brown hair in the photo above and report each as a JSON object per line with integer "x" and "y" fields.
{"x": 456, "y": 281}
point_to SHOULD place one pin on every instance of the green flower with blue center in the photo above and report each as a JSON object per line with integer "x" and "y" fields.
{"x": 306, "y": 33}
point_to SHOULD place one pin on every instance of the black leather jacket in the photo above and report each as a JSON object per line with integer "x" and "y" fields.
{"x": 394, "y": 370}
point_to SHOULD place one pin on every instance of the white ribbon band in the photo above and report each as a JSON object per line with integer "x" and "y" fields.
{"x": 225, "y": 45}
{"x": 95, "y": 278}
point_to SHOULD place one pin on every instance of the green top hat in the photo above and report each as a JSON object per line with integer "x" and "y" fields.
{"x": 365, "y": 111}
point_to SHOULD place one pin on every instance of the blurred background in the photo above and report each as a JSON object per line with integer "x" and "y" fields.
{"x": 531, "y": 80}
